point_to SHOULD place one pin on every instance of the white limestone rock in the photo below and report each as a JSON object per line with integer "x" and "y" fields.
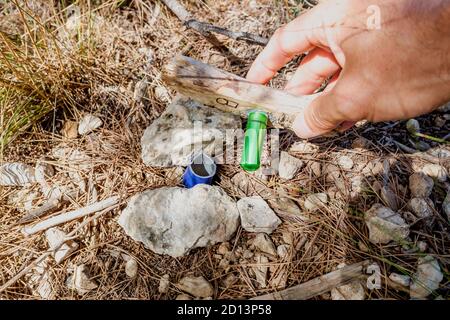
{"x": 16, "y": 174}
{"x": 288, "y": 165}
{"x": 427, "y": 278}
{"x": 385, "y": 225}
{"x": 197, "y": 286}
{"x": 88, "y": 124}
{"x": 256, "y": 215}
{"x": 175, "y": 220}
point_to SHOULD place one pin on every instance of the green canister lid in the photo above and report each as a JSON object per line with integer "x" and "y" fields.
{"x": 254, "y": 140}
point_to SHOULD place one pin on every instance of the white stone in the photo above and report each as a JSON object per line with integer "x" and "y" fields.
{"x": 385, "y": 225}
{"x": 427, "y": 278}
{"x": 401, "y": 279}
{"x": 420, "y": 185}
{"x": 170, "y": 139}
{"x": 175, "y": 220}
{"x": 54, "y": 237}
{"x": 88, "y": 124}
{"x": 345, "y": 162}
{"x": 256, "y": 215}
{"x": 263, "y": 243}
{"x": 285, "y": 205}
{"x": 288, "y": 165}
{"x": 183, "y": 297}
{"x": 315, "y": 201}
{"x": 283, "y": 250}
{"x": 24, "y": 200}
{"x": 352, "y": 291}
{"x": 80, "y": 282}
{"x": 16, "y": 174}
{"x": 40, "y": 281}
{"x": 131, "y": 268}
{"x": 164, "y": 284}
{"x": 422, "y": 208}
{"x": 196, "y": 286}
{"x": 435, "y": 171}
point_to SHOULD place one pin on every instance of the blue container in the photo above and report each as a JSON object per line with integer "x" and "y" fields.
{"x": 201, "y": 171}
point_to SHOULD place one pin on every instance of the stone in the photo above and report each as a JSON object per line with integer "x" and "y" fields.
{"x": 345, "y": 162}
{"x": 180, "y": 219}
{"x": 54, "y": 237}
{"x": 263, "y": 243}
{"x": 422, "y": 246}
{"x": 446, "y": 205}
{"x": 304, "y": 147}
{"x": 352, "y": 291}
{"x": 315, "y": 201}
{"x": 88, "y": 124}
{"x": 70, "y": 129}
{"x": 385, "y": 225}
{"x": 80, "y": 281}
{"x": 196, "y": 286}
{"x": 285, "y": 205}
{"x": 427, "y": 278}
{"x": 256, "y": 215}
{"x": 164, "y": 284}
{"x": 171, "y": 138}
{"x": 131, "y": 268}
{"x": 316, "y": 168}
{"x": 360, "y": 143}
{"x": 435, "y": 171}
{"x": 261, "y": 269}
{"x": 140, "y": 94}
{"x": 288, "y": 165}
{"x": 420, "y": 185}
{"x": 16, "y": 174}
{"x": 279, "y": 281}
{"x": 288, "y": 237}
{"x": 444, "y": 108}
{"x": 389, "y": 197}
{"x": 283, "y": 250}
{"x": 413, "y": 126}
{"x": 400, "y": 279}
{"x": 422, "y": 208}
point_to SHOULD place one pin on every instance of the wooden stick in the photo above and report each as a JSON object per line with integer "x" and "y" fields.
{"x": 69, "y": 216}
{"x": 228, "y": 92}
{"x": 318, "y": 285}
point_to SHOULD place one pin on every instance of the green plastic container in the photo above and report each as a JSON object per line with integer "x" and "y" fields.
{"x": 255, "y": 134}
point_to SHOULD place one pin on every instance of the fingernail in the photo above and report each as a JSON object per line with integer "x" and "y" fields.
{"x": 301, "y": 128}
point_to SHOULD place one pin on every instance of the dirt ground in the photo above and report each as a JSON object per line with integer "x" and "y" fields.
{"x": 94, "y": 66}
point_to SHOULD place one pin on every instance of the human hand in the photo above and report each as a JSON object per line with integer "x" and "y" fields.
{"x": 396, "y": 70}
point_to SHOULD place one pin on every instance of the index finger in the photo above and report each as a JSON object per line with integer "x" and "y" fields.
{"x": 298, "y": 36}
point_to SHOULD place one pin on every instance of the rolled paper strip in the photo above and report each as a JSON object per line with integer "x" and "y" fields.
{"x": 201, "y": 170}
{"x": 254, "y": 140}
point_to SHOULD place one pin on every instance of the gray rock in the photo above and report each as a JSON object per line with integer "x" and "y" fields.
{"x": 345, "y": 162}
{"x": 389, "y": 197}
{"x": 16, "y": 174}
{"x": 288, "y": 165}
{"x": 422, "y": 208}
{"x": 88, "y": 124}
{"x": 315, "y": 201}
{"x": 427, "y": 278}
{"x": 175, "y": 220}
{"x": 444, "y": 108}
{"x": 80, "y": 281}
{"x": 385, "y": 225}
{"x": 171, "y": 139}
{"x": 435, "y": 171}
{"x": 304, "y": 147}
{"x": 196, "y": 286}
{"x": 285, "y": 205}
{"x": 261, "y": 269}
{"x": 54, "y": 237}
{"x": 256, "y": 215}
{"x": 283, "y": 250}
{"x": 413, "y": 126}
{"x": 400, "y": 279}
{"x": 420, "y": 185}
{"x": 263, "y": 243}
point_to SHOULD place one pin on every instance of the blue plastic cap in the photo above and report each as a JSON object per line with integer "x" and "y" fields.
{"x": 201, "y": 170}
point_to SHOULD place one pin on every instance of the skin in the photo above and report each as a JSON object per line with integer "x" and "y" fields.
{"x": 399, "y": 71}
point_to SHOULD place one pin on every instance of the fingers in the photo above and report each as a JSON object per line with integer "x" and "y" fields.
{"x": 314, "y": 69}
{"x": 298, "y": 36}
{"x": 331, "y": 109}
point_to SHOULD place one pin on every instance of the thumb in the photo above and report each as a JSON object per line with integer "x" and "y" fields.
{"x": 325, "y": 113}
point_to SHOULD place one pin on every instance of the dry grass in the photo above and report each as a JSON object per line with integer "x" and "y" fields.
{"x": 54, "y": 67}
